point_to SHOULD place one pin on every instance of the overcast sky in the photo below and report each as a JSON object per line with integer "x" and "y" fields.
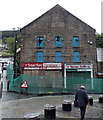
{"x": 102, "y": 17}
{"x": 18, "y": 13}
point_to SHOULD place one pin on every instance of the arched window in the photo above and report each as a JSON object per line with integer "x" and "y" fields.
{"x": 76, "y": 41}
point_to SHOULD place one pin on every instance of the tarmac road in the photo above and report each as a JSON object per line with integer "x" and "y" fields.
{"x": 16, "y": 106}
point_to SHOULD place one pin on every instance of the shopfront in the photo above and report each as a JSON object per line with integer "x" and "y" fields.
{"x": 77, "y": 72}
{"x": 50, "y": 74}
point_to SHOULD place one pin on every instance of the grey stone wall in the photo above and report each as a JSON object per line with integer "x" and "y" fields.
{"x": 58, "y": 21}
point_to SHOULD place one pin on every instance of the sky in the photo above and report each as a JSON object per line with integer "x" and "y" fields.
{"x": 19, "y": 13}
{"x": 102, "y": 17}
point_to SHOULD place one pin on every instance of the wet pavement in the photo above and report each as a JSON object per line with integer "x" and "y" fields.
{"x": 17, "y": 105}
{"x": 9, "y": 96}
{"x": 14, "y": 106}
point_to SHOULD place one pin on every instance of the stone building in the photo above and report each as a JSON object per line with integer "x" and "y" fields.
{"x": 58, "y": 44}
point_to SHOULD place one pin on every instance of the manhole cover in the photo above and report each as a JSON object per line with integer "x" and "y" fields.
{"x": 32, "y": 115}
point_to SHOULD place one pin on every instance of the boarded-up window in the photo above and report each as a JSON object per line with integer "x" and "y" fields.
{"x": 40, "y": 41}
{"x": 58, "y": 41}
{"x": 76, "y": 56}
{"x": 58, "y": 56}
{"x": 40, "y": 56}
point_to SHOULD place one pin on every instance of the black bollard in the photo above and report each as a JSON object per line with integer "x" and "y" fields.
{"x": 66, "y": 105}
{"x": 50, "y": 112}
{"x": 90, "y": 100}
{"x": 8, "y": 85}
{"x": 1, "y": 86}
{"x": 101, "y": 99}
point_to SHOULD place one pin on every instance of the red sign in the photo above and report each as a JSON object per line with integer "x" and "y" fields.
{"x": 42, "y": 66}
{"x": 24, "y": 85}
{"x": 32, "y": 64}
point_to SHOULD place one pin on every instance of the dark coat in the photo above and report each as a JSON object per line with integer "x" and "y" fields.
{"x": 82, "y": 98}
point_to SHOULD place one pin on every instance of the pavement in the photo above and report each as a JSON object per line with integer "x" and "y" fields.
{"x": 21, "y": 106}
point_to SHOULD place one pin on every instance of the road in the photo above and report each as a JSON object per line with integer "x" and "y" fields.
{"x": 14, "y": 105}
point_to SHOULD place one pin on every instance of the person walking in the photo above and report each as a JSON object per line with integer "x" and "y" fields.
{"x": 82, "y": 98}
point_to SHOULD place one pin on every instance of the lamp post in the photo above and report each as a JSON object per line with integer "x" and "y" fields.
{"x": 15, "y": 47}
{"x": 16, "y": 32}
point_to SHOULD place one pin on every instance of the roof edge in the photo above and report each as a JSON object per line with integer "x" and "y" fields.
{"x": 50, "y": 10}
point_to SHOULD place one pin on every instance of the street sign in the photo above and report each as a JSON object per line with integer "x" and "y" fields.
{"x": 24, "y": 85}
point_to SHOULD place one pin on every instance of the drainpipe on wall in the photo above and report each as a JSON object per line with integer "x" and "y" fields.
{"x": 64, "y": 75}
{"x": 92, "y": 76}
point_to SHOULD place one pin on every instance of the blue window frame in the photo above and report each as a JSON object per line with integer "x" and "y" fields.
{"x": 58, "y": 41}
{"x": 40, "y": 57}
{"x": 40, "y": 41}
{"x": 76, "y": 41}
{"x": 76, "y": 56}
{"x": 58, "y": 56}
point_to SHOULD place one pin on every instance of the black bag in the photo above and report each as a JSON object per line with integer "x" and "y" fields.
{"x": 76, "y": 103}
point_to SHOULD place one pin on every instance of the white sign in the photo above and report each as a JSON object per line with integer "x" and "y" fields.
{"x": 78, "y": 66}
{"x": 83, "y": 69}
{"x": 100, "y": 54}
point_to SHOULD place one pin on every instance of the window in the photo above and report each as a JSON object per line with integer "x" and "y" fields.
{"x": 76, "y": 42}
{"x": 58, "y": 57}
{"x": 58, "y": 41}
{"x": 40, "y": 41}
{"x": 76, "y": 56}
{"x": 40, "y": 57}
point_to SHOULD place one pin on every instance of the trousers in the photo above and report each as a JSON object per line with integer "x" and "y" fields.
{"x": 82, "y": 112}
